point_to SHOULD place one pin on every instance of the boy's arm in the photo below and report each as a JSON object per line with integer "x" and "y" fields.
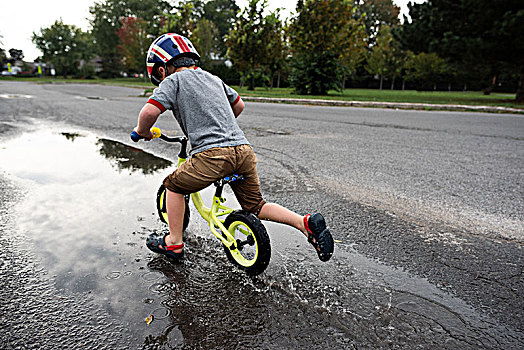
{"x": 238, "y": 107}
{"x": 146, "y": 119}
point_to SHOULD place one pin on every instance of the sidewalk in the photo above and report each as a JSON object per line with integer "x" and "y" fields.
{"x": 394, "y": 105}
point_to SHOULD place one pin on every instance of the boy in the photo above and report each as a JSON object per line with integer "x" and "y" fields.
{"x": 206, "y": 108}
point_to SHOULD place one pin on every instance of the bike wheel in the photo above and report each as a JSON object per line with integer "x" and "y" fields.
{"x": 161, "y": 207}
{"x": 253, "y": 250}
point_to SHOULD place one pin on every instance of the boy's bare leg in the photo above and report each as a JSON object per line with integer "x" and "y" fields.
{"x": 277, "y": 213}
{"x": 175, "y": 205}
{"x": 324, "y": 245}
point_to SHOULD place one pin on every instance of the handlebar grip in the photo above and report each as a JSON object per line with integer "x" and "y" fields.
{"x": 154, "y": 131}
{"x": 135, "y": 137}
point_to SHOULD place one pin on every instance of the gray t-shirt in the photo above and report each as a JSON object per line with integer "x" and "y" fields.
{"x": 202, "y": 105}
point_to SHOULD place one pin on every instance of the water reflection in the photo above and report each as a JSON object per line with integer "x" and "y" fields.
{"x": 71, "y": 136}
{"x": 125, "y": 157}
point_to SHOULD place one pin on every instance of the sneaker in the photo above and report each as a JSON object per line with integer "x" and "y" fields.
{"x": 319, "y": 236}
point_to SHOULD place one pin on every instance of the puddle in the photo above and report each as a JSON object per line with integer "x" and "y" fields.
{"x": 89, "y": 205}
{"x": 84, "y": 193}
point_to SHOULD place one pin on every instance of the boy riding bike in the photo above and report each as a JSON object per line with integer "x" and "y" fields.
{"x": 206, "y": 110}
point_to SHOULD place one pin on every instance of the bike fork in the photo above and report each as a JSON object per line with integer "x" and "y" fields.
{"x": 217, "y": 209}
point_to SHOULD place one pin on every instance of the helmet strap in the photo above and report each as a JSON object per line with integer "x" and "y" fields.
{"x": 164, "y": 75}
{"x": 156, "y": 77}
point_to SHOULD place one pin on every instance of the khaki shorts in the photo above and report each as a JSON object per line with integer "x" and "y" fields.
{"x": 206, "y": 167}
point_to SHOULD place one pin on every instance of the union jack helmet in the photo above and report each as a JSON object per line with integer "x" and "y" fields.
{"x": 168, "y": 47}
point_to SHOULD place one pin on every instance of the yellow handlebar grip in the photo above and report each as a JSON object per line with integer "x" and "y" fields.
{"x": 156, "y": 132}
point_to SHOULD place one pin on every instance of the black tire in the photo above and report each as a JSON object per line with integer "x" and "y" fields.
{"x": 161, "y": 207}
{"x": 253, "y": 263}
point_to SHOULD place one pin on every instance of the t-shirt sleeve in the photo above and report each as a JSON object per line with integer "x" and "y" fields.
{"x": 231, "y": 94}
{"x": 163, "y": 96}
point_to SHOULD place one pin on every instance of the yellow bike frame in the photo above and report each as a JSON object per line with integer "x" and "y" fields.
{"x": 212, "y": 215}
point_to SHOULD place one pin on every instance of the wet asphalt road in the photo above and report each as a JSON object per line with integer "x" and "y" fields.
{"x": 427, "y": 208}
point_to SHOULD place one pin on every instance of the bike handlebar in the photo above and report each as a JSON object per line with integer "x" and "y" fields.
{"x": 157, "y": 133}
{"x": 179, "y": 139}
{"x": 154, "y": 131}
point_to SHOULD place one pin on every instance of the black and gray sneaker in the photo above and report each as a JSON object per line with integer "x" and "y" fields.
{"x": 319, "y": 235}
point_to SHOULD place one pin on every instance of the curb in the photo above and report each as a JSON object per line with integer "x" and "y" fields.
{"x": 395, "y": 105}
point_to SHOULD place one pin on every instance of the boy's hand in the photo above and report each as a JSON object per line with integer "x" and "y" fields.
{"x": 147, "y": 136}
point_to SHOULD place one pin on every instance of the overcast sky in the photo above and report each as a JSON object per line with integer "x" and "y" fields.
{"x": 21, "y": 18}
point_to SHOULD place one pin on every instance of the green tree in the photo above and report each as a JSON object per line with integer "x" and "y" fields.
{"x": 16, "y": 55}
{"x": 207, "y": 41}
{"x": 509, "y": 30}
{"x": 107, "y": 20}
{"x": 219, "y": 16}
{"x": 319, "y": 35}
{"x": 428, "y": 68}
{"x": 252, "y": 43}
{"x": 377, "y": 63}
{"x": 396, "y": 57}
{"x": 86, "y": 51}
{"x": 277, "y": 48}
{"x": 396, "y": 66}
{"x": 3, "y": 58}
{"x": 477, "y": 36}
{"x": 64, "y": 46}
{"x": 181, "y": 21}
{"x": 134, "y": 43}
{"x": 408, "y": 69}
{"x": 385, "y": 57}
{"x": 377, "y": 13}
{"x": 105, "y": 23}
{"x": 222, "y": 13}
{"x": 353, "y": 55}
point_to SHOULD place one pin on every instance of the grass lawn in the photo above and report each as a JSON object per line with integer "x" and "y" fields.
{"x": 128, "y": 82}
{"x": 409, "y": 96}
